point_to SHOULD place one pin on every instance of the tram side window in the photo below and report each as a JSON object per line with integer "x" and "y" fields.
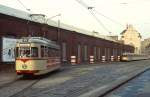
{"x": 46, "y": 51}
{"x": 42, "y": 51}
{"x": 34, "y": 52}
{"x": 53, "y": 52}
{"x": 17, "y": 52}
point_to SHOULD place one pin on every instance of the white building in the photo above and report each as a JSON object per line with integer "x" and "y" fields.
{"x": 145, "y": 46}
{"x": 132, "y": 37}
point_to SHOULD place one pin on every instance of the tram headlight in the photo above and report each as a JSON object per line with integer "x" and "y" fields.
{"x": 24, "y": 66}
{"x": 124, "y": 58}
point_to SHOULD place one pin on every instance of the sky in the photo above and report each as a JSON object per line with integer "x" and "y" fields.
{"x": 118, "y": 13}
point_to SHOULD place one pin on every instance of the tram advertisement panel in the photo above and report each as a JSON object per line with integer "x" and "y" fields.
{"x": 8, "y": 52}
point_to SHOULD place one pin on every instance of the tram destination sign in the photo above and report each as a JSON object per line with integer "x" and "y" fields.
{"x": 24, "y": 44}
{"x": 8, "y": 49}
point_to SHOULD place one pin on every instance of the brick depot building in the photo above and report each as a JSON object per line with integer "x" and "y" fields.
{"x": 73, "y": 41}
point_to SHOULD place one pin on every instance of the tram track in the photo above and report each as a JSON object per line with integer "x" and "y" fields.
{"x": 17, "y": 86}
{"x": 23, "y": 90}
{"x": 120, "y": 81}
{"x": 68, "y": 79}
{"x": 115, "y": 87}
{"x": 22, "y": 85}
{"x": 8, "y": 83}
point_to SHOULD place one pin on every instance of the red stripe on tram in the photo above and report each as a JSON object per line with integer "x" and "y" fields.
{"x": 27, "y": 59}
{"x": 24, "y": 60}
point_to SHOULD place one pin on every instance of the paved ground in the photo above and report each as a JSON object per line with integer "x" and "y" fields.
{"x": 80, "y": 80}
{"x": 74, "y": 81}
{"x": 139, "y": 87}
{"x": 7, "y": 74}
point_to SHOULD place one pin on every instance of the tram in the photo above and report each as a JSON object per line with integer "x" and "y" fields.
{"x": 36, "y": 56}
{"x": 133, "y": 57}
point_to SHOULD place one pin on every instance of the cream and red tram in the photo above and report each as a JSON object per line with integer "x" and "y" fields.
{"x": 133, "y": 57}
{"x": 36, "y": 55}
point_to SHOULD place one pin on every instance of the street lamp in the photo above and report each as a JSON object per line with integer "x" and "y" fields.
{"x": 58, "y": 25}
{"x": 52, "y": 17}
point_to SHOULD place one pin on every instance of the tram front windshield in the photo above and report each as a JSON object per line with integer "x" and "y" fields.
{"x": 27, "y": 52}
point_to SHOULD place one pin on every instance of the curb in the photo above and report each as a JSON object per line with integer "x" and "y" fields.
{"x": 101, "y": 91}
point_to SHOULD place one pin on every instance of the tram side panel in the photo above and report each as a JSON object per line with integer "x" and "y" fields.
{"x": 30, "y": 66}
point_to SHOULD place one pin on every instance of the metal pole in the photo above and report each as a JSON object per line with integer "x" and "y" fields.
{"x": 58, "y": 31}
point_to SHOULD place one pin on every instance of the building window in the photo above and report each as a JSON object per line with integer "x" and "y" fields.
{"x": 64, "y": 58}
{"x": 114, "y": 52}
{"x": 105, "y": 52}
{"x": 99, "y": 53}
{"x": 79, "y": 52}
{"x": 95, "y": 53}
{"x": 108, "y": 53}
{"x": 85, "y": 53}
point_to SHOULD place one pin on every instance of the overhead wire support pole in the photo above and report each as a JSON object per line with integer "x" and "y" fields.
{"x": 29, "y": 10}
{"x": 52, "y": 17}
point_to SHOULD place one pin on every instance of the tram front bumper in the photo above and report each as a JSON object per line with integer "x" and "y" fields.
{"x": 19, "y": 72}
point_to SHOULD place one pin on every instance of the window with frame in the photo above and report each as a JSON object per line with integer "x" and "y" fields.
{"x": 17, "y": 52}
{"x": 52, "y": 52}
{"x": 64, "y": 51}
{"x": 34, "y": 52}
{"x": 95, "y": 52}
{"x": 42, "y": 51}
{"x": 85, "y": 53}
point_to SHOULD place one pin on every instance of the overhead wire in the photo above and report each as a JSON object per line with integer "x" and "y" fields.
{"x": 104, "y": 27}
{"x": 108, "y": 18}
{"x": 82, "y": 3}
{"x": 29, "y": 10}
{"x": 90, "y": 9}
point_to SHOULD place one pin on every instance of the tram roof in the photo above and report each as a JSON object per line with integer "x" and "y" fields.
{"x": 39, "y": 40}
{"x": 25, "y": 15}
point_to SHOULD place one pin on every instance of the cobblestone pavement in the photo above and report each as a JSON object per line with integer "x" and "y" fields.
{"x": 77, "y": 80}
{"x": 7, "y": 74}
{"x": 7, "y": 78}
{"x": 139, "y": 87}
{"x": 15, "y": 87}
